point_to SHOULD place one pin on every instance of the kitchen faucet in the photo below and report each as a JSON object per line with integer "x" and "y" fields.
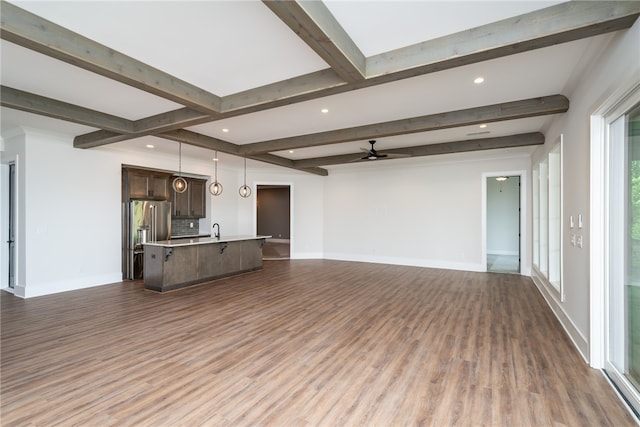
{"x": 216, "y": 235}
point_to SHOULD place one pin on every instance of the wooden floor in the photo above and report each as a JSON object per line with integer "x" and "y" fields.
{"x": 300, "y": 343}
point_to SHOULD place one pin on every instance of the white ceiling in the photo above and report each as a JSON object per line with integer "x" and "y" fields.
{"x": 226, "y": 47}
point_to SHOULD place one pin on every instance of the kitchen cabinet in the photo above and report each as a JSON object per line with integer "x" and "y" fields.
{"x": 192, "y": 203}
{"x": 144, "y": 184}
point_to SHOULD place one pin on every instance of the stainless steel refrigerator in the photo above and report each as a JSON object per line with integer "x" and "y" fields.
{"x": 146, "y": 221}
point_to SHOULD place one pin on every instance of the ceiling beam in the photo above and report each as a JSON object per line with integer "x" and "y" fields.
{"x": 33, "y": 32}
{"x": 163, "y": 122}
{"x": 556, "y": 24}
{"x": 210, "y": 143}
{"x": 24, "y": 101}
{"x": 316, "y": 26}
{"x": 32, "y": 103}
{"x": 520, "y": 140}
{"x": 586, "y": 19}
{"x": 290, "y": 91}
{"x": 486, "y": 114}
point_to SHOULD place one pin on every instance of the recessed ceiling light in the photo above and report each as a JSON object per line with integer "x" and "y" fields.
{"x": 324, "y": 110}
{"x": 290, "y": 151}
{"x": 150, "y": 146}
{"x": 482, "y": 126}
{"x": 479, "y": 80}
{"x": 225, "y": 130}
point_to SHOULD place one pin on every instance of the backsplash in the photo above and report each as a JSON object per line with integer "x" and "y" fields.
{"x": 181, "y": 227}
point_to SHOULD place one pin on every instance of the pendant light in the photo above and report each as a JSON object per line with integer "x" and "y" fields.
{"x": 215, "y": 188}
{"x": 179, "y": 183}
{"x": 245, "y": 190}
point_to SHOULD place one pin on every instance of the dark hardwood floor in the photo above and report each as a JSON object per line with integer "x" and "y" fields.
{"x": 300, "y": 343}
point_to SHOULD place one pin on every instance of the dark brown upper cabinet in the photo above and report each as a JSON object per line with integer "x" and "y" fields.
{"x": 192, "y": 203}
{"x": 145, "y": 184}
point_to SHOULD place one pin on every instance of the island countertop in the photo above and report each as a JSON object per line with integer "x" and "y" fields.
{"x": 203, "y": 240}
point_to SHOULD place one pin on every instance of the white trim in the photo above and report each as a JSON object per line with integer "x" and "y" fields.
{"x": 498, "y": 252}
{"x": 292, "y": 254}
{"x": 598, "y": 210}
{"x": 307, "y": 255}
{"x": 410, "y": 262}
{"x": 525, "y": 267}
{"x": 574, "y": 334}
{"x": 40, "y": 289}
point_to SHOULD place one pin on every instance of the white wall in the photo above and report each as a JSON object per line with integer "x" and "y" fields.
{"x": 618, "y": 62}
{"x": 426, "y": 213}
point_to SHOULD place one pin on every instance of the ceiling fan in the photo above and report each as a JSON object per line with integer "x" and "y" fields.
{"x": 372, "y": 154}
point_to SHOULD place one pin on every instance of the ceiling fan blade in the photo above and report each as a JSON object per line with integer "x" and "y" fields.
{"x": 397, "y": 156}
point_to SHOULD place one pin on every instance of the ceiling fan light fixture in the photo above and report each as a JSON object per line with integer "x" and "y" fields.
{"x": 501, "y": 178}
{"x": 372, "y": 154}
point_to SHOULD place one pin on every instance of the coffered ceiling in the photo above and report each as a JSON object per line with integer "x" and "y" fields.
{"x": 251, "y": 78}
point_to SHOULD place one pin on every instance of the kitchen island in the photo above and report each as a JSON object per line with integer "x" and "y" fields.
{"x": 173, "y": 264}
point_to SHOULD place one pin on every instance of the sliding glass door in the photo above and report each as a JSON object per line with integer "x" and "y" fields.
{"x": 623, "y": 319}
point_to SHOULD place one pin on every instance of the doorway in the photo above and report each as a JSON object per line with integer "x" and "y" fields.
{"x": 503, "y": 224}
{"x": 11, "y": 232}
{"x": 273, "y": 213}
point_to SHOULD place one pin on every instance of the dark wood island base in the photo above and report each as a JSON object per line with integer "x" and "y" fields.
{"x": 174, "y": 264}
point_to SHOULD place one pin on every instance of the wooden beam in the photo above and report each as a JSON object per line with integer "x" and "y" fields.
{"x": 586, "y": 19}
{"x": 24, "y": 101}
{"x": 521, "y": 140}
{"x": 210, "y": 143}
{"x": 553, "y": 25}
{"x": 30, "y": 31}
{"x": 163, "y": 122}
{"x": 491, "y": 113}
{"x": 316, "y": 26}
{"x": 287, "y": 163}
{"x": 32, "y": 103}
{"x": 199, "y": 140}
{"x": 297, "y": 89}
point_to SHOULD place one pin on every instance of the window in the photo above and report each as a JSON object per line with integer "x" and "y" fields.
{"x": 547, "y": 219}
{"x": 536, "y": 216}
{"x": 555, "y": 221}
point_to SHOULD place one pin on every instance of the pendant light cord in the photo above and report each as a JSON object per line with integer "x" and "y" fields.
{"x": 215, "y": 168}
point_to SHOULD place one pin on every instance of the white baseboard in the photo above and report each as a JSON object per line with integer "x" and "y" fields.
{"x": 306, "y": 255}
{"x": 499, "y": 252}
{"x": 579, "y": 340}
{"x": 411, "y": 262}
{"x": 40, "y": 289}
